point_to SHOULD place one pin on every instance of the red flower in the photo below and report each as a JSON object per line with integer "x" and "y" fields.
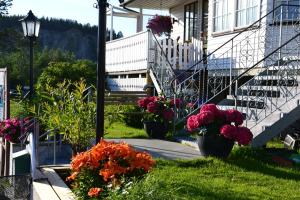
{"x": 229, "y": 131}
{"x": 94, "y": 192}
{"x": 210, "y": 107}
{"x": 168, "y": 114}
{"x": 152, "y": 107}
{"x": 234, "y": 116}
{"x": 192, "y": 123}
{"x": 244, "y": 136}
{"x": 205, "y": 117}
{"x": 143, "y": 103}
{"x": 177, "y": 102}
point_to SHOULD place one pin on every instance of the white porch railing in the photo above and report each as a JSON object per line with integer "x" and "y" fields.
{"x": 127, "y": 54}
{"x": 131, "y": 53}
{"x": 126, "y": 84}
{"x": 182, "y": 55}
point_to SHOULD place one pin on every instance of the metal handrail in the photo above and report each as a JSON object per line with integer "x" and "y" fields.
{"x": 253, "y": 25}
{"x": 212, "y": 84}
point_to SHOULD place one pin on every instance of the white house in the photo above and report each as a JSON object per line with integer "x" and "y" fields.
{"x": 237, "y": 53}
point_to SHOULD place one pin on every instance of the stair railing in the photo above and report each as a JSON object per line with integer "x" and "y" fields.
{"x": 160, "y": 66}
{"x": 273, "y": 86}
{"x": 208, "y": 79}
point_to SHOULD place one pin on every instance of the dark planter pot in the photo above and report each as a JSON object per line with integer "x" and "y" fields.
{"x": 214, "y": 145}
{"x": 156, "y": 130}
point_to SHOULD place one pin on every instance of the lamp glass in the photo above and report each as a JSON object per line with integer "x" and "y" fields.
{"x": 30, "y": 28}
{"x": 37, "y": 28}
{"x": 24, "y": 28}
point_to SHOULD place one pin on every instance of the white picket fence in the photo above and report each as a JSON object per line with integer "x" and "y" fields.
{"x": 182, "y": 55}
{"x": 127, "y": 54}
{"x": 131, "y": 53}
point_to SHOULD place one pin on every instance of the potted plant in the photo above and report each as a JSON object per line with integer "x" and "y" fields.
{"x": 160, "y": 24}
{"x": 158, "y": 115}
{"x": 12, "y": 129}
{"x": 217, "y": 130}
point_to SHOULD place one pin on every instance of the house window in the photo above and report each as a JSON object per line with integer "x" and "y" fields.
{"x": 221, "y": 15}
{"x": 246, "y": 12}
{"x": 190, "y": 21}
{"x": 290, "y": 10}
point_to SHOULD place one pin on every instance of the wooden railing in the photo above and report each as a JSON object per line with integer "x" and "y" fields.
{"x": 131, "y": 53}
{"x": 127, "y": 54}
{"x": 182, "y": 55}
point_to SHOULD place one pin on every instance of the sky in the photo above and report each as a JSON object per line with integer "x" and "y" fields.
{"x": 80, "y": 10}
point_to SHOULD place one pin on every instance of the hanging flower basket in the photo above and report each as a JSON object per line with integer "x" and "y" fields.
{"x": 160, "y": 24}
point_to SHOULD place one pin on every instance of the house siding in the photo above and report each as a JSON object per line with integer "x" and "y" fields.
{"x": 215, "y": 41}
{"x": 177, "y": 12}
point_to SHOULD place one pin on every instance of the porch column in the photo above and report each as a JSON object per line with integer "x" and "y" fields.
{"x": 139, "y": 21}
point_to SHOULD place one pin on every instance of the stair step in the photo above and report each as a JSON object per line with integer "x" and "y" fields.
{"x": 259, "y": 92}
{"x": 252, "y": 104}
{"x": 290, "y": 76}
{"x": 274, "y": 82}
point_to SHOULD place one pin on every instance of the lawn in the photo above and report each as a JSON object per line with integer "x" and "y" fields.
{"x": 121, "y": 130}
{"x": 246, "y": 174}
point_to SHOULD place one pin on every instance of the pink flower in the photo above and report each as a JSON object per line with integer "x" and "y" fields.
{"x": 205, "y": 117}
{"x": 192, "y": 123}
{"x": 229, "y": 131}
{"x": 8, "y": 137}
{"x": 177, "y": 102}
{"x": 234, "y": 116}
{"x": 152, "y": 107}
{"x": 143, "y": 103}
{"x": 244, "y": 136}
{"x": 190, "y": 105}
{"x": 209, "y": 107}
{"x": 168, "y": 114}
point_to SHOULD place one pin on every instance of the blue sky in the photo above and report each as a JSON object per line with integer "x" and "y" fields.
{"x": 80, "y": 10}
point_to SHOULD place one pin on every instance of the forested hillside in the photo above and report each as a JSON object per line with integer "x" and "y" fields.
{"x": 61, "y": 34}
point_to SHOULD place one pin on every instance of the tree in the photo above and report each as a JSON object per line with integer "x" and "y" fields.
{"x": 4, "y": 5}
{"x": 57, "y": 72}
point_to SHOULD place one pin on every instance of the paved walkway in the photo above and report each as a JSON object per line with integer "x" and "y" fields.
{"x": 162, "y": 149}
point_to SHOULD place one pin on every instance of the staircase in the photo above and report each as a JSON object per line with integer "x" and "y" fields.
{"x": 256, "y": 72}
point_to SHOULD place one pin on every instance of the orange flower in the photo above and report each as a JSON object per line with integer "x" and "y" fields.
{"x": 111, "y": 160}
{"x": 72, "y": 177}
{"x": 94, "y": 192}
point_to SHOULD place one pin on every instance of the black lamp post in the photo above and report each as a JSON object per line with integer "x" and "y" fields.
{"x": 101, "y": 5}
{"x": 31, "y": 28}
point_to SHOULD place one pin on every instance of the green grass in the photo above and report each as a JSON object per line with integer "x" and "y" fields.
{"x": 246, "y": 174}
{"x": 120, "y": 130}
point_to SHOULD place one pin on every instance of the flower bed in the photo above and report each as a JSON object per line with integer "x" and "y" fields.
{"x": 107, "y": 167}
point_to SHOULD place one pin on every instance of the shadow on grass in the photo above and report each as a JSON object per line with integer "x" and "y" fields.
{"x": 257, "y": 160}
{"x": 212, "y": 192}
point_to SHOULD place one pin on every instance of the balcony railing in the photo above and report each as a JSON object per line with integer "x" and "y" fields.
{"x": 131, "y": 53}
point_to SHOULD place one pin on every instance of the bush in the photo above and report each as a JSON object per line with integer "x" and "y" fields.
{"x": 57, "y": 72}
{"x": 129, "y": 114}
{"x": 65, "y": 108}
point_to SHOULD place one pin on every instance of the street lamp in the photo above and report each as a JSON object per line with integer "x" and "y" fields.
{"x": 31, "y": 28}
{"x": 101, "y": 5}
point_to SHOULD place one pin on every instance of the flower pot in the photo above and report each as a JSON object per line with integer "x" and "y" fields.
{"x": 156, "y": 130}
{"x": 214, "y": 145}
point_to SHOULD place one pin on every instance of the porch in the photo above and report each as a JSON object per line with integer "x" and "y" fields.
{"x": 128, "y": 57}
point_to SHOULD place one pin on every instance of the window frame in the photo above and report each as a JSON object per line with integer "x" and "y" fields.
{"x": 277, "y": 3}
{"x": 187, "y": 20}
{"x": 247, "y": 10}
{"x": 228, "y": 15}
